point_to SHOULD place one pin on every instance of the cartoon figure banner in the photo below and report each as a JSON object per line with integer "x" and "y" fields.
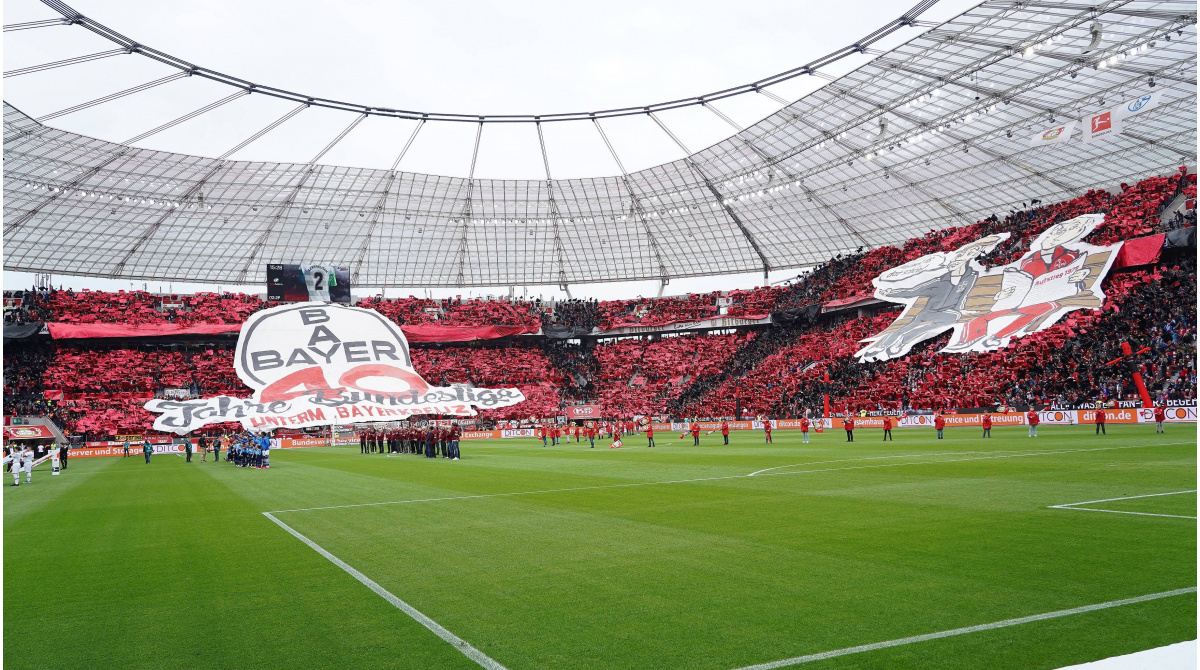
{"x": 315, "y": 364}
{"x": 987, "y": 307}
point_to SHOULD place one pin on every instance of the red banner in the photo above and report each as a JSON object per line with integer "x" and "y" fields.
{"x": 424, "y": 332}
{"x": 78, "y": 330}
{"x": 1140, "y": 251}
{"x": 427, "y": 332}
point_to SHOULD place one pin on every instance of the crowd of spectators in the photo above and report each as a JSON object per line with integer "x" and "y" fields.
{"x": 658, "y": 312}
{"x": 503, "y": 366}
{"x": 27, "y": 306}
{"x": 577, "y": 361}
{"x": 24, "y": 365}
{"x": 780, "y": 370}
{"x": 643, "y": 375}
{"x": 141, "y": 307}
{"x": 526, "y": 368}
{"x": 577, "y": 314}
{"x": 456, "y": 311}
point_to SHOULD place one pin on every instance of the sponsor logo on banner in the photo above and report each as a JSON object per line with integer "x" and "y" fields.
{"x": 316, "y": 364}
{"x": 517, "y": 432}
{"x": 1171, "y": 414}
{"x": 27, "y": 432}
{"x": 1058, "y": 417}
{"x": 1054, "y": 135}
{"x": 1101, "y": 125}
{"x": 1139, "y": 104}
{"x": 583, "y": 412}
{"x": 986, "y": 308}
{"x": 1110, "y": 416}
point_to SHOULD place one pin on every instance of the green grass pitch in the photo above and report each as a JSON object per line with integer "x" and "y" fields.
{"x": 569, "y": 557}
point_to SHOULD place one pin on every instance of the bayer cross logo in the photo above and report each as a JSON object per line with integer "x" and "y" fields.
{"x": 1053, "y": 133}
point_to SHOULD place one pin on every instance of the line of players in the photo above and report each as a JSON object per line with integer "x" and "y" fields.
{"x": 432, "y": 441}
{"x": 553, "y": 434}
{"x": 247, "y": 450}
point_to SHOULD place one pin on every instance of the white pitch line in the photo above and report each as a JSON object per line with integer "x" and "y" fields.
{"x": 457, "y": 642}
{"x": 810, "y": 658}
{"x": 1019, "y": 454}
{"x": 1079, "y": 505}
{"x": 1145, "y": 495}
{"x": 948, "y": 453}
{"x": 878, "y": 458}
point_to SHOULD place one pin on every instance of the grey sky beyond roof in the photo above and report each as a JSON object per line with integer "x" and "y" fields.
{"x": 931, "y": 134}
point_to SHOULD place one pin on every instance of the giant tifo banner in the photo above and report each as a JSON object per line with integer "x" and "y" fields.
{"x": 313, "y": 364}
{"x": 987, "y": 307}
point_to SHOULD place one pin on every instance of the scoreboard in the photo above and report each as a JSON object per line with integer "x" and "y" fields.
{"x": 302, "y": 283}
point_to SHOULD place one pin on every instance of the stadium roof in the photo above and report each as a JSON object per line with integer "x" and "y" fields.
{"x": 933, "y": 133}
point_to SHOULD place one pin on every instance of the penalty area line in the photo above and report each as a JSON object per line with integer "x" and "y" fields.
{"x": 1079, "y": 505}
{"x": 457, "y": 642}
{"x": 810, "y": 658}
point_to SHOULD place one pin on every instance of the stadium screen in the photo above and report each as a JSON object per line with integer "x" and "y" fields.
{"x": 300, "y": 283}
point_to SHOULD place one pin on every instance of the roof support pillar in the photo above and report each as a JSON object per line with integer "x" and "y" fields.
{"x": 467, "y": 209}
{"x": 559, "y": 252}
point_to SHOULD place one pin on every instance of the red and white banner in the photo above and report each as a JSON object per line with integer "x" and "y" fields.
{"x": 1172, "y": 415}
{"x": 1101, "y": 125}
{"x": 1053, "y": 135}
{"x": 583, "y": 412}
{"x": 28, "y": 432}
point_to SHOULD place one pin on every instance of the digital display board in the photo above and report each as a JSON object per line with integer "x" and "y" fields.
{"x": 302, "y": 283}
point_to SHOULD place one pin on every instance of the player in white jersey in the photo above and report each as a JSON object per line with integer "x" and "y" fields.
{"x": 23, "y": 461}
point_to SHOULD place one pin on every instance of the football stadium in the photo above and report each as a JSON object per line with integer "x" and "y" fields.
{"x": 534, "y": 388}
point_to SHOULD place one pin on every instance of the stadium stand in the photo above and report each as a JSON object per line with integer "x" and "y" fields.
{"x": 97, "y": 389}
